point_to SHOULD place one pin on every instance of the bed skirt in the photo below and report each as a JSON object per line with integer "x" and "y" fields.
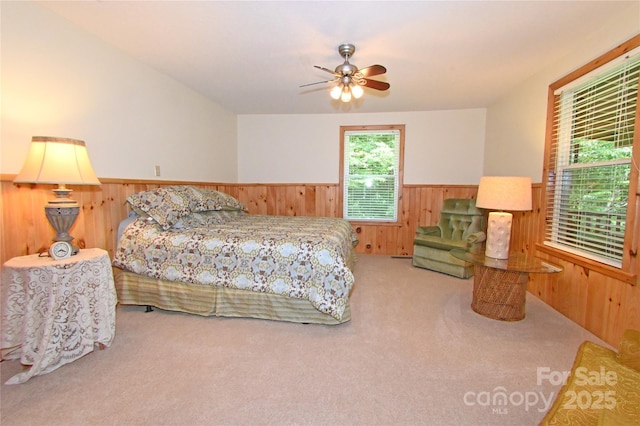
{"x": 134, "y": 289}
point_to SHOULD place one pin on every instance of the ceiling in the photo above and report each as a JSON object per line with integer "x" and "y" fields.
{"x": 251, "y": 57}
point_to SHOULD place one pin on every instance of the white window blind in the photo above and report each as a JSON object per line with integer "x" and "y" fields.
{"x": 590, "y": 162}
{"x": 371, "y": 174}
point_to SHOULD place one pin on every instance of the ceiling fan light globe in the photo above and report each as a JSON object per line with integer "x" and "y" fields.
{"x": 336, "y": 92}
{"x": 346, "y": 94}
{"x": 357, "y": 91}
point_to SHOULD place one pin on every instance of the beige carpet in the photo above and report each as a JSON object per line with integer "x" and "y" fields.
{"x": 414, "y": 353}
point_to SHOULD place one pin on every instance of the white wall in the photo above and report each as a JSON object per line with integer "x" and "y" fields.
{"x": 441, "y": 147}
{"x": 516, "y": 123}
{"x": 60, "y": 81}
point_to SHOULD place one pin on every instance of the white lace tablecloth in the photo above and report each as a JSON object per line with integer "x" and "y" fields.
{"x": 56, "y": 311}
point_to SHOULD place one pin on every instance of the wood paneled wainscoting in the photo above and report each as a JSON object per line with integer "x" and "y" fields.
{"x": 603, "y": 305}
{"x": 26, "y": 230}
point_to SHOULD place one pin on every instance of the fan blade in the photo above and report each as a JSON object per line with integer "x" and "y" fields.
{"x": 325, "y": 69}
{"x": 372, "y": 70}
{"x": 319, "y": 82}
{"x": 374, "y": 84}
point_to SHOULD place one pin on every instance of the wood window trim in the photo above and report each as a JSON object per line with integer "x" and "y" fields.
{"x": 589, "y": 264}
{"x": 340, "y": 204}
{"x": 627, "y": 273}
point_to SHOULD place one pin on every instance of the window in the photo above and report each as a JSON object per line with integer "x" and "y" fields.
{"x": 371, "y": 172}
{"x": 589, "y": 161}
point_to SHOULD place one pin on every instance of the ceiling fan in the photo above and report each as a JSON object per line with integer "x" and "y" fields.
{"x": 350, "y": 79}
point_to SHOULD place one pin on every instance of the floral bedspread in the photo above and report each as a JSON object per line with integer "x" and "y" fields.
{"x": 300, "y": 257}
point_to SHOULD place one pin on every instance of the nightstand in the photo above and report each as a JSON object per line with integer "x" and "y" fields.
{"x": 56, "y": 311}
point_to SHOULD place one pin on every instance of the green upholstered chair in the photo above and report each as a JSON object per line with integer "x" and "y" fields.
{"x": 461, "y": 226}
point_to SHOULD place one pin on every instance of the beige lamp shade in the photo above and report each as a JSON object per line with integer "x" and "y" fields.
{"x": 57, "y": 161}
{"x": 511, "y": 193}
{"x": 502, "y": 193}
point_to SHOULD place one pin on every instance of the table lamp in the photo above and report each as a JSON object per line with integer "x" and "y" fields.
{"x": 59, "y": 161}
{"x": 502, "y": 193}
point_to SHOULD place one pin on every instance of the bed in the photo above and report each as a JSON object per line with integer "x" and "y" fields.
{"x": 195, "y": 250}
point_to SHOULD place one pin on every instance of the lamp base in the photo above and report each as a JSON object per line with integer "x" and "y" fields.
{"x": 61, "y": 213}
{"x": 498, "y": 235}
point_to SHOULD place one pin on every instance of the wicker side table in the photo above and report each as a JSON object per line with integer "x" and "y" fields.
{"x": 500, "y": 286}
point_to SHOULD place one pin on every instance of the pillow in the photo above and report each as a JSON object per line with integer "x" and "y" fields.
{"x": 165, "y": 205}
{"x": 206, "y": 218}
{"x": 209, "y": 199}
{"x": 197, "y": 220}
{"x": 629, "y": 351}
